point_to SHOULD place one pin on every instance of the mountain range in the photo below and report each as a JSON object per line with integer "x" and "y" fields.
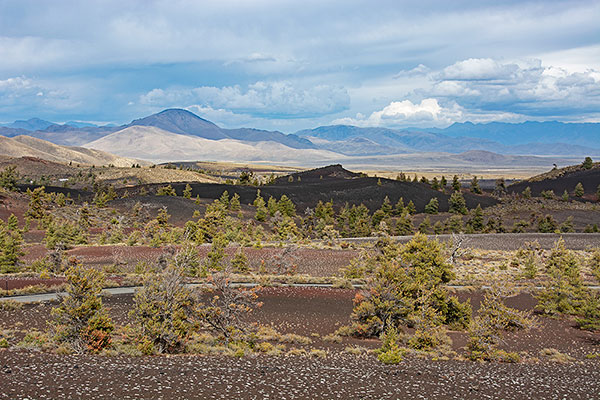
{"x": 177, "y": 135}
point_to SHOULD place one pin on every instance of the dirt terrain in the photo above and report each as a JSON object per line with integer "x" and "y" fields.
{"x": 314, "y": 312}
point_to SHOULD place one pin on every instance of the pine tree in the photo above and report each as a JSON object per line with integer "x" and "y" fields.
{"x": 261, "y": 209}
{"x": 457, "y": 203}
{"x": 443, "y": 183}
{"x": 234, "y": 203}
{"x": 527, "y": 192}
{"x": 187, "y": 192}
{"x": 588, "y": 163}
{"x": 81, "y": 321}
{"x": 410, "y": 207}
{"x": 579, "y": 190}
{"x": 399, "y": 207}
{"x": 286, "y": 207}
{"x": 475, "y": 186}
{"x": 455, "y": 183}
{"x": 272, "y": 206}
{"x": 476, "y": 220}
{"x": 433, "y": 206}
{"x": 386, "y": 206}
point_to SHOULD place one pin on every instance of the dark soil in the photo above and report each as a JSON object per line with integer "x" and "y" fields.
{"x": 31, "y": 374}
{"x": 336, "y": 184}
{"x": 564, "y": 180}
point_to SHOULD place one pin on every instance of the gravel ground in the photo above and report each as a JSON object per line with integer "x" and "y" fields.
{"x": 339, "y": 375}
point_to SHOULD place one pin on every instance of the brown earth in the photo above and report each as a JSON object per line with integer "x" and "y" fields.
{"x": 306, "y": 311}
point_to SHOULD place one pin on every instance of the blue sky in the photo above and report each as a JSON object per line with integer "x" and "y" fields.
{"x": 289, "y": 65}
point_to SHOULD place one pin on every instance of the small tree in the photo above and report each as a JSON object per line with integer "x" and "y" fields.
{"x": 187, "y": 192}
{"x": 494, "y": 317}
{"x": 527, "y": 192}
{"x": 579, "y": 192}
{"x": 11, "y": 241}
{"x": 457, "y": 203}
{"x": 261, "y": 209}
{"x": 166, "y": 191}
{"x": 476, "y": 220}
{"x": 433, "y": 206}
{"x": 563, "y": 291}
{"x": 455, "y": 183}
{"x": 588, "y": 163}
{"x": 227, "y": 307}
{"x": 163, "y": 312}
{"x": 475, "y": 186}
{"x": 9, "y": 178}
{"x": 81, "y": 321}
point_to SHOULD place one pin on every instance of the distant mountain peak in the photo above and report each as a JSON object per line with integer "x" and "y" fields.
{"x": 183, "y": 122}
{"x": 32, "y": 124}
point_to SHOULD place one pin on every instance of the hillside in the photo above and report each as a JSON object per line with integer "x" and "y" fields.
{"x": 27, "y": 146}
{"x": 337, "y": 184}
{"x": 151, "y": 143}
{"x": 562, "y": 179}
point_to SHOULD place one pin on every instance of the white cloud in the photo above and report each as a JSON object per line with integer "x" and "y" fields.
{"x": 405, "y": 112}
{"x": 523, "y": 87}
{"x": 273, "y": 99}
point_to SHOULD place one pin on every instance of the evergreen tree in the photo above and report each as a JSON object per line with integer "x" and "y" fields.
{"x": 405, "y": 226}
{"x": 187, "y": 192}
{"x": 261, "y": 209}
{"x": 579, "y": 190}
{"x": 286, "y": 207}
{"x": 435, "y": 184}
{"x": 234, "y": 203}
{"x": 410, "y": 207}
{"x": 386, "y": 206}
{"x": 565, "y": 196}
{"x": 433, "y": 206}
{"x": 443, "y": 183}
{"x": 588, "y": 163}
{"x": 399, "y": 207}
{"x": 455, "y": 183}
{"x": 475, "y": 186}
{"x": 476, "y": 220}
{"x": 81, "y": 321}
{"x": 9, "y": 178}
{"x": 425, "y": 225}
{"x": 272, "y": 206}
{"x": 527, "y": 192}
{"x": 457, "y": 203}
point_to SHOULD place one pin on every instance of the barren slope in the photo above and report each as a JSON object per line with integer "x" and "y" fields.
{"x": 153, "y": 143}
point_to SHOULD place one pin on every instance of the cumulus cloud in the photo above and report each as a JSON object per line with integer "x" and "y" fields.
{"x": 428, "y": 112}
{"x": 527, "y": 87}
{"x": 273, "y": 99}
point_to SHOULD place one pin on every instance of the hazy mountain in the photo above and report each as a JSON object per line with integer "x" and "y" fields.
{"x": 583, "y": 134}
{"x": 27, "y": 146}
{"x": 32, "y": 124}
{"x": 397, "y": 141}
{"x": 391, "y": 141}
{"x": 152, "y": 143}
{"x": 81, "y": 124}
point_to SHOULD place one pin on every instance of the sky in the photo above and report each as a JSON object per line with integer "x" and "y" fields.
{"x": 291, "y": 65}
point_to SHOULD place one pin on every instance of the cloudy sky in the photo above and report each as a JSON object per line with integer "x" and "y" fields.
{"x": 289, "y": 65}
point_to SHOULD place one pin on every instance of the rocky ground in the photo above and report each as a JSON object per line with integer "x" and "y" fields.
{"x": 334, "y": 374}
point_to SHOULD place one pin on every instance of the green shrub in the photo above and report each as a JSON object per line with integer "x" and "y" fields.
{"x": 81, "y": 321}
